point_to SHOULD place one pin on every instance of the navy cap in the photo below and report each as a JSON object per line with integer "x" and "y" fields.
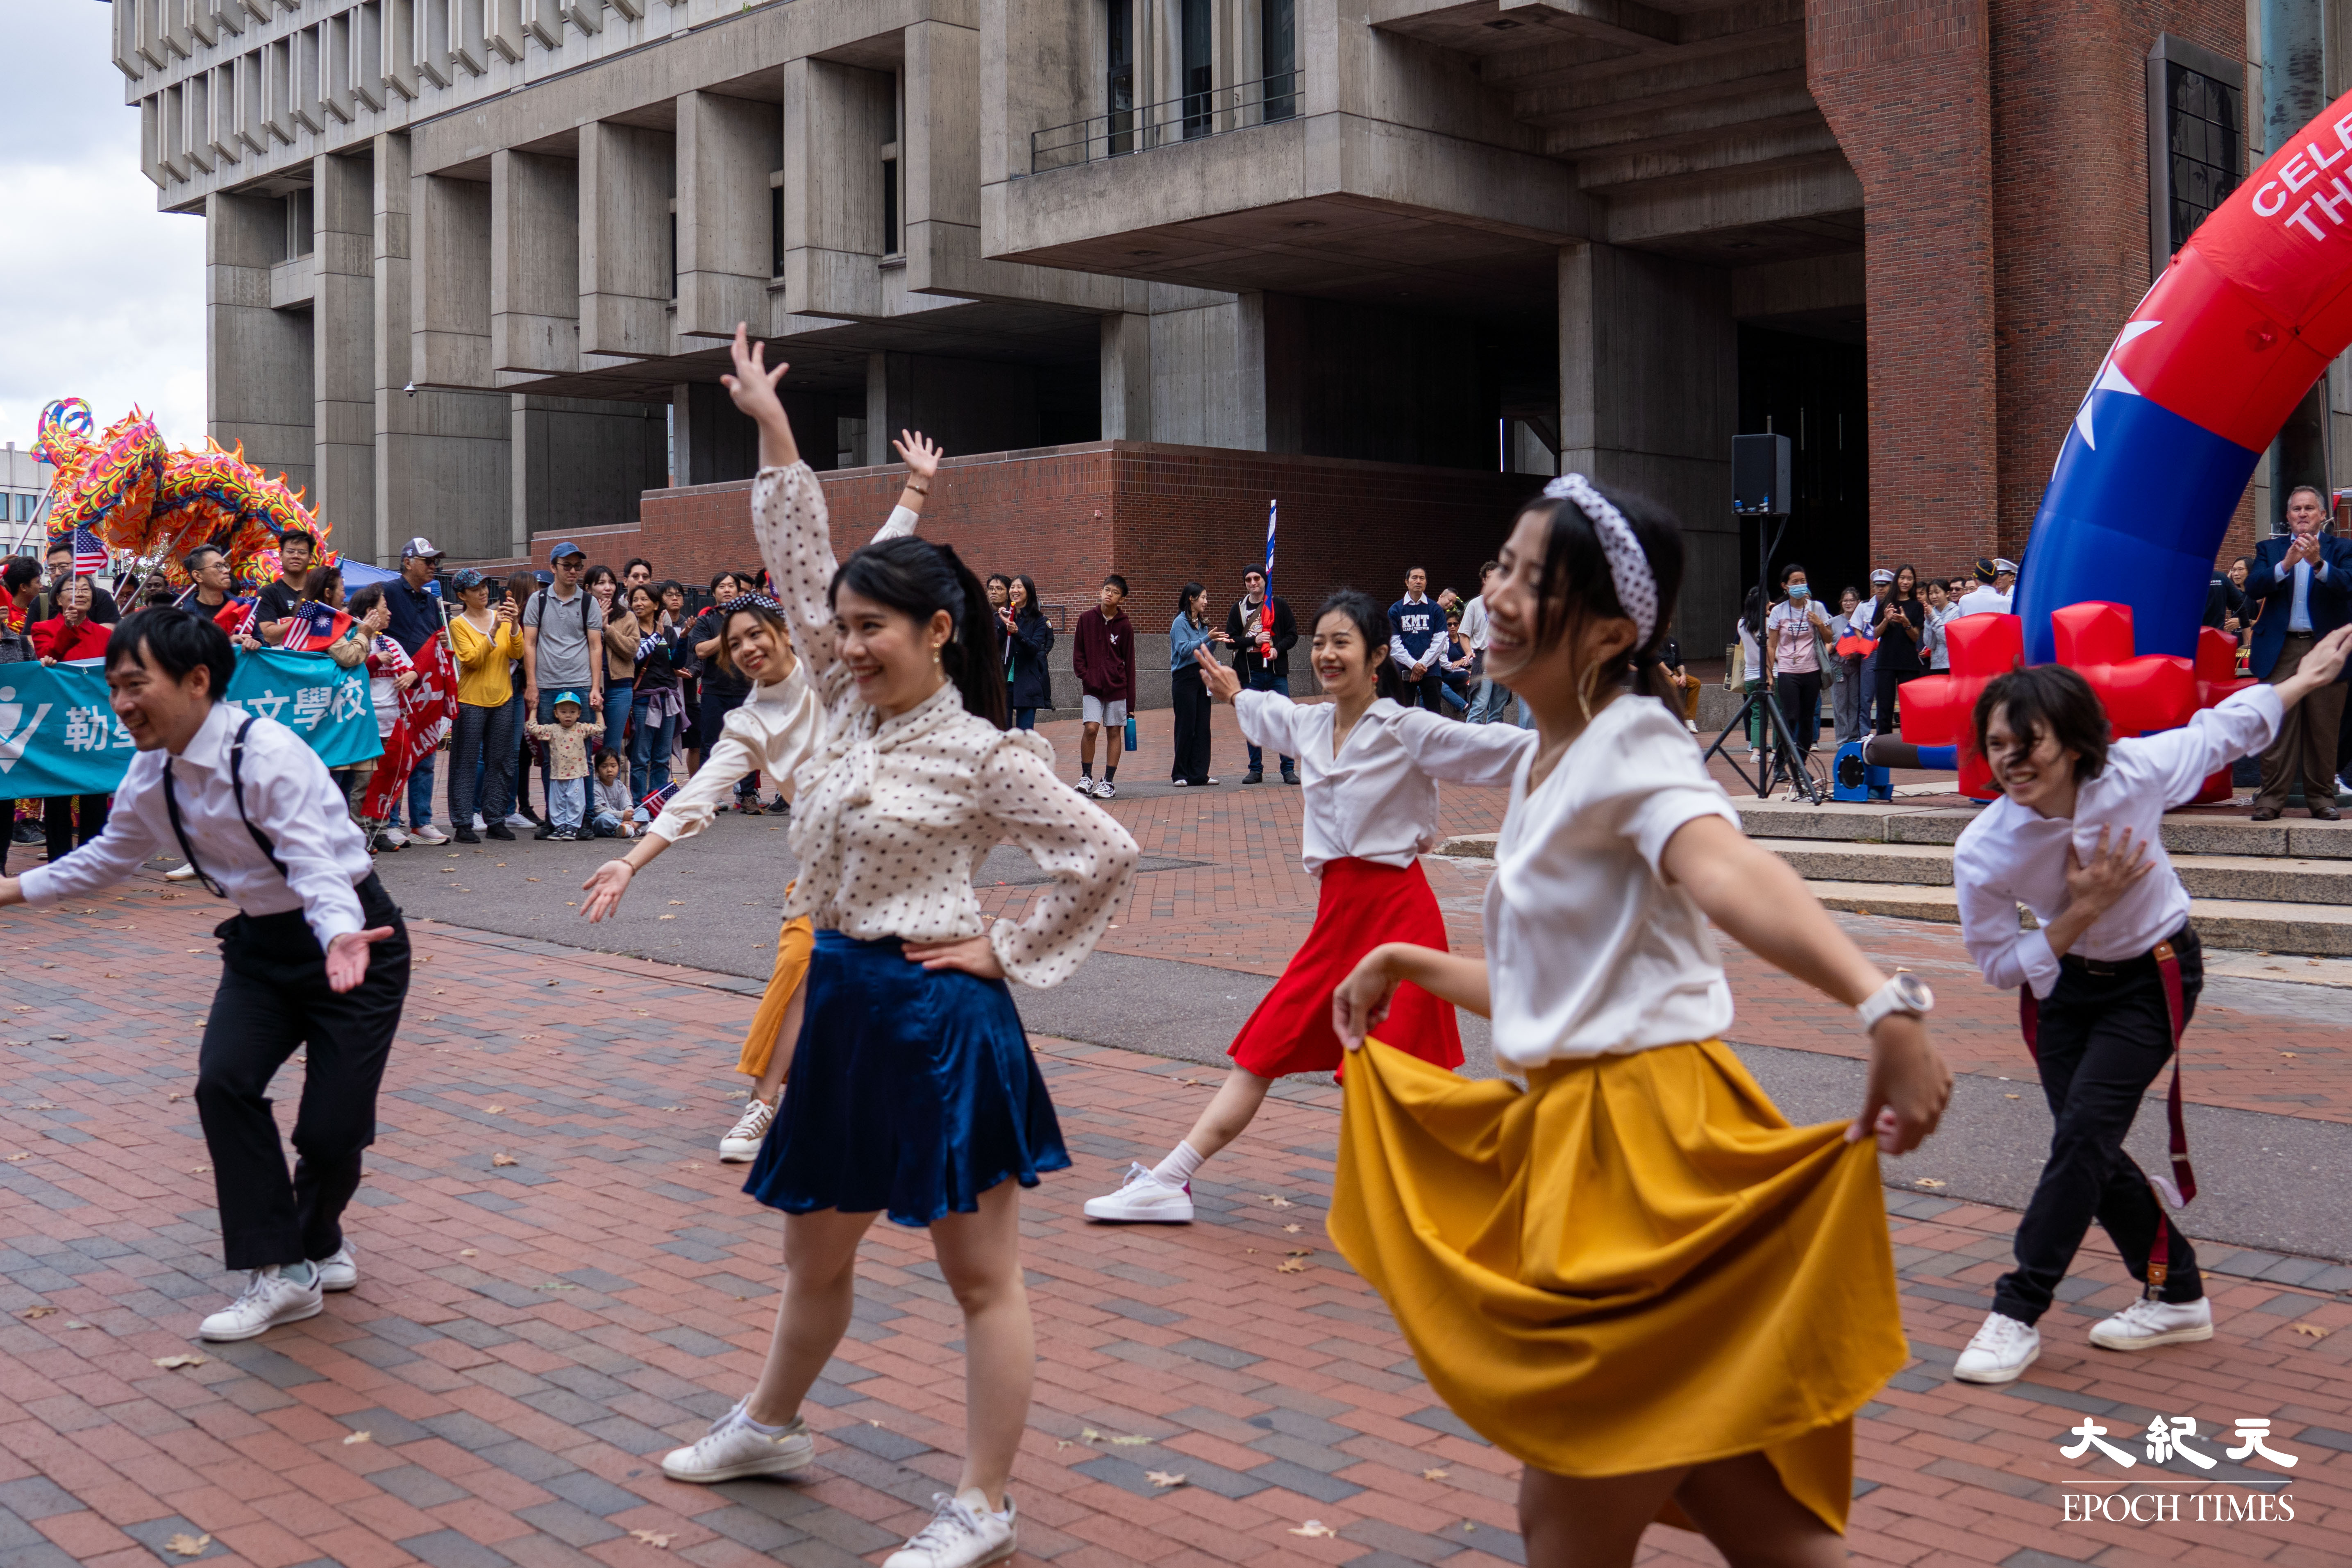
{"x": 564, "y": 551}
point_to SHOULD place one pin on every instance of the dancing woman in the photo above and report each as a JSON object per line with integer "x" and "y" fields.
{"x": 2107, "y": 981}
{"x": 912, "y": 1090}
{"x": 772, "y": 731}
{"x": 1371, "y": 769}
{"x": 1633, "y": 1275}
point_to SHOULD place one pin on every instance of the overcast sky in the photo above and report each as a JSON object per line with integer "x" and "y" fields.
{"x": 101, "y": 297}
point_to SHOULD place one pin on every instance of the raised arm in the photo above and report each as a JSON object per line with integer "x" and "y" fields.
{"x": 789, "y": 517}
{"x": 921, "y": 455}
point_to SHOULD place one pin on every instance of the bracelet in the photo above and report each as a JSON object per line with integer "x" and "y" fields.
{"x": 918, "y": 489}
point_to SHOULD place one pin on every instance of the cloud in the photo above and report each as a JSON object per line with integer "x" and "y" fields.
{"x": 101, "y": 295}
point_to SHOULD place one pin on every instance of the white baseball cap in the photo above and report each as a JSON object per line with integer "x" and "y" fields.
{"x": 420, "y": 545}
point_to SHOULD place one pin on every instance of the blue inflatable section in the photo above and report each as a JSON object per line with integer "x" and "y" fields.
{"x": 2094, "y": 537}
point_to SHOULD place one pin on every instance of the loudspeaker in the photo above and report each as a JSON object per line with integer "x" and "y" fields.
{"x": 1759, "y": 475}
{"x": 1853, "y": 778}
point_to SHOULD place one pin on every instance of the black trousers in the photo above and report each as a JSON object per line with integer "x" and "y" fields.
{"x": 72, "y": 821}
{"x": 1191, "y": 696}
{"x": 1888, "y": 680}
{"x": 1421, "y": 693}
{"x": 1801, "y": 704}
{"x": 273, "y": 998}
{"x": 2104, "y": 1039}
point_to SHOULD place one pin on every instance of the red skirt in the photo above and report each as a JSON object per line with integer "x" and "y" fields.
{"x": 1363, "y": 905}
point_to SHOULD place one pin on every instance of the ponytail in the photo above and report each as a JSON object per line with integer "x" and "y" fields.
{"x": 919, "y": 579}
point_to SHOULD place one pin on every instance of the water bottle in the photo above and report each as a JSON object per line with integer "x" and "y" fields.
{"x": 1131, "y": 731}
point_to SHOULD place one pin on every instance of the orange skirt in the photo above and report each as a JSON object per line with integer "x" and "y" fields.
{"x": 794, "y": 945}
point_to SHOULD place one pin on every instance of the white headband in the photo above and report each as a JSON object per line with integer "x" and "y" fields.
{"x": 1629, "y": 569}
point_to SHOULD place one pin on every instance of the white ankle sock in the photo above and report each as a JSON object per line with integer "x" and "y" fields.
{"x": 298, "y": 1273}
{"x": 1177, "y": 1168}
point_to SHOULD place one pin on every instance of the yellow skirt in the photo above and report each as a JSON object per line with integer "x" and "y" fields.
{"x": 1634, "y": 1265}
{"x": 794, "y": 945}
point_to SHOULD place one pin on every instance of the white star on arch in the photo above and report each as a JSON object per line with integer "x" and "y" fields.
{"x": 2110, "y": 379}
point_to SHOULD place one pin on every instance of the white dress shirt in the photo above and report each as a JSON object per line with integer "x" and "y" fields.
{"x": 288, "y": 795}
{"x": 773, "y": 732}
{"x": 1377, "y": 800}
{"x": 1589, "y": 950}
{"x": 2298, "y": 617}
{"x": 891, "y": 815}
{"x": 2010, "y": 856}
{"x": 1474, "y": 625}
{"x": 1982, "y": 599}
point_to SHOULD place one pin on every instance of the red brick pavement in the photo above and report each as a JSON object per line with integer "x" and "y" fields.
{"x": 527, "y": 1336}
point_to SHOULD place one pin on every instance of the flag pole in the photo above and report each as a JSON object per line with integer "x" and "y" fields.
{"x": 1266, "y": 613}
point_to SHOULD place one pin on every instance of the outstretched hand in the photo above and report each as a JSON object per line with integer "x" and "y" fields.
{"x": 920, "y": 453}
{"x": 1223, "y": 684}
{"x": 346, "y": 957}
{"x": 753, "y": 385}
{"x": 604, "y": 887}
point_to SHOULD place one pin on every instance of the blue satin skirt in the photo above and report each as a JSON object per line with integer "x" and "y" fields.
{"x": 912, "y": 1092}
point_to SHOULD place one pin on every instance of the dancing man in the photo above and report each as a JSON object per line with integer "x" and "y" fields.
{"x": 1633, "y": 1275}
{"x": 1371, "y": 769}
{"x": 913, "y": 1091}
{"x": 316, "y": 957}
{"x": 772, "y": 733}
{"x": 2108, "y": 980}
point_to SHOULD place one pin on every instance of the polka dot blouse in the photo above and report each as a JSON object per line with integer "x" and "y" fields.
{"x": 891, "y": 815}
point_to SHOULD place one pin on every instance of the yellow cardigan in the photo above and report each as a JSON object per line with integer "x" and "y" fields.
{"x": 484, "y": 660}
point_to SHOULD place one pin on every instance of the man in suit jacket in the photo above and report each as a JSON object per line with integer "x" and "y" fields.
{"x": 2303, "y": 581}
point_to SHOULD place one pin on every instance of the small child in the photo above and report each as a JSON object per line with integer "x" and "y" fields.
{"x": 568, "y": 740}
{"x": 609, "y": 817}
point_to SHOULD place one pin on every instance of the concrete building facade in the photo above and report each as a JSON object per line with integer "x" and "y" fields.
{"x": 472, "y": 263}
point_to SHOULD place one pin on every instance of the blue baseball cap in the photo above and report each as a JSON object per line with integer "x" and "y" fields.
{"x": 564, "y": 551}
{"x": 466, "y": 577}
{"x": 571, "y": 697}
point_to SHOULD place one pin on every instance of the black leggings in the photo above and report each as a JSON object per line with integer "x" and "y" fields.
{"x": 1888, "y": 680}
{"x": 1801, "y": 704}
{"x": 1191, "y": 697}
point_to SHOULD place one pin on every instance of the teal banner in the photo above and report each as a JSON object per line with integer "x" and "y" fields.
{"x": 58, "y": 734}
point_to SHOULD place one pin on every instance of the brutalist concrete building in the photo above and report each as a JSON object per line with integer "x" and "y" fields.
{"x": 1145, "y": 264}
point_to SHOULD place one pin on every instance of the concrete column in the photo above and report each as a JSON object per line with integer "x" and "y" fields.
{"x": 441, "y": 466}
{"x": 836, "y": 120}
{"x": 534, "y": 262}
{"x": 878, "y": 429}
{"x": 1127, "y": 376}
{"x": 1649, "y": 399}
{"x": 626, "y": 175}
{"x": 726, "y": 147}
{"x": 1208, "y": 370}
{"x": 343, "y": 323}
{"x": 449, "y": 297}
{"x": 256, "y": 359}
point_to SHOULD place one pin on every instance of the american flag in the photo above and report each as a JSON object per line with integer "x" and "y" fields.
{"x": 90, "y": 554}
{"x": 658, "y": 798}
{"x": 314, "y": 628}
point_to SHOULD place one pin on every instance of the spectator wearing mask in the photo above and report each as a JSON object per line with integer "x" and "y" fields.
{"x": 1416, "y": 634}
{"x": 482, "y": 753}
{"x": 414, "y": 604}
{"x": 1032, "y": 682}
{"x": 1187, "y": 634}
{"x": 1794, "y": 633}
{"x": 562, "y": 634}
{"x": 1262, "y": 656}
{"x": 1105, "y": 661}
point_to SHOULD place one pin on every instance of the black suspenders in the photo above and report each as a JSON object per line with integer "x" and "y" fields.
{"x": 236, "y": 790}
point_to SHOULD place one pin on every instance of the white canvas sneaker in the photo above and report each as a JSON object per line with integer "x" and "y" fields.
{"x": 2145, "y": 1324}
{"x": 181, "y": 874}
{"x": 2001, "y": 1350}
{"x": 477, "y": 823}
{"x": 338, "y": 1271}
{"x": 743, "y": 1142}
{"x": 392, "y": 838}
{"x": 517, "y": 819}
{"x": 959, "y": 1536}
{"x": 428, "y": 833}
{"x": 734, "y": 1449}
{"x": 1143, "y": 1196}
{"x": 269, "y": 1299}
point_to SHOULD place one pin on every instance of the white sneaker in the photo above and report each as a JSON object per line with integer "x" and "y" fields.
{"x": 517, "y": 819}
{"x": 743, "y": 1142}
{"x": 1143, "y": 1196}
{"x": 959, "y": 1536}
{"x": 478, "y": 824}
{"x": 392, "y": 838}
{"x": 1083, "y": 784}
{"x": 1179, "y": 784}
{"x": 181, "y": 874}
{"x": 733, "y": 1448}
{"x": 339, "y": 1271}
{"x": 1105, "y": 790}
{"x": 269, "y": 1299}
{"x": 428, "y": 833}
{"x": 2145, "y": 1324}
{"x": 2001, "y": 1350}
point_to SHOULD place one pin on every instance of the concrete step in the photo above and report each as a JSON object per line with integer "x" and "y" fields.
{"x": 2284, "y": 880}
{"x": 2253, "y": 925}
{"x": 1901, "y": 822}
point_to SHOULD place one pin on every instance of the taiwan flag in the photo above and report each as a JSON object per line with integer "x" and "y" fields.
{"x": 313, "y": 627}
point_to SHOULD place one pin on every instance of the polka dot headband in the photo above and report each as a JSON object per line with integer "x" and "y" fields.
{"x": 752, "y": 602}
{"x": 1629, "y": 569}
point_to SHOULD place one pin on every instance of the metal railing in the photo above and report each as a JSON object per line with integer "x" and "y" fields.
{"x": 1194, "y": 115}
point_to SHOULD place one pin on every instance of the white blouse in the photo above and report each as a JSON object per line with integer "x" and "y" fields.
{"x": 1377, "y": 800}
{"x": 773, "y": 732}
{"x": 891, "y": 815}
{"x": 2010, "y": 856}
{"x": 1589, "y": 950}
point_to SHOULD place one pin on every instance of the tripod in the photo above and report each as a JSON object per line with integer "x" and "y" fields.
{"x": 1781, "y": 759}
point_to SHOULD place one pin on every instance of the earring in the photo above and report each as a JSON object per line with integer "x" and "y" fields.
{"x": 1584, "y": 684}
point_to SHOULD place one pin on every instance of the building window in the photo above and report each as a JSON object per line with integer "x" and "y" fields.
{"x": 1198, "y": 112}
{"x": 890, "y": 201}
{"x": 1278, "y": 41}
{"x": 775, "y": 231}
{"x": 2202, "y": 136}
{"x": 1121, "y": 35}
{"x": 297, "y": 223}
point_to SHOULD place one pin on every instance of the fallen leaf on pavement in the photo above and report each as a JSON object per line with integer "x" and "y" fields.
{"x": 1293, "y": 1229}
{"x": 2313, "y": 1330}
{"x": 492, "y": 1109}
{"x": 1163, "y": 1479}
{"x": 558, "y": 1285}
{"x": 1299, "y": 1252}
{"x": 37, "y": 1311}
{"x": 1316, "y": 1526}
{"x": 1087, "y": 1435}
{"x": 77, "y": 1325}
{"x": 200, "y": 1170}
{"x": 40, "y": 1105}
{"x": 185, "y": 1358}
{"x": 470, "y": 1252}
{"x": 2009, "y": 1097}
{"x": 14, "y": 1158}
{"x": 1290, "y": 1266}
{"x": 359, "y": 1438}
{"x": 186, "y": 1545}
{"x": 1435, "y": 1475}
{"x": 1925, "y": 1182}
{"x": 1278, "y": 1202}
{"x": 504, "y": 1160}
{"x": 1129, "y": 1442}
{"x": 657, "y": 1542}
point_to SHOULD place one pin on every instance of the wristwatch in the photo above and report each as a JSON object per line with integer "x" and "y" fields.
{"x": 1903, "y": 992}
